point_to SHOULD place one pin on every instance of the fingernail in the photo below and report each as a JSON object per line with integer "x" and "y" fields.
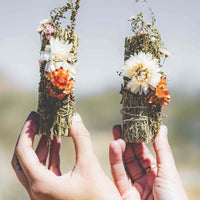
{"x": 33, "y": 119}
{"x": 117, "y": 127}
{"x": 32, "y": 116}
{"x": 77, "y": 118}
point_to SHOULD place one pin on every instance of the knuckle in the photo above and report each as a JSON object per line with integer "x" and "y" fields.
{"x": 85, "y": 133}
{"x": 119, "y": 179}
{"x": 165, "y": 148}
{"x": 19, "y": 150}
{"x": 130, "y": 160}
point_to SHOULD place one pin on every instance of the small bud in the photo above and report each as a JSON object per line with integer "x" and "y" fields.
{"x": 143, "y": 33}
{"x": 167, "y": 54}
{"x": 161, "y": 51}
{"x": 40, "y": 29}
{"x": 131, "y": 18}
{"x": 153, "y": 39}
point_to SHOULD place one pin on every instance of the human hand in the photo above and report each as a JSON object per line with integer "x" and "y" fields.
{"x": 139, "y": 176}
{"x": 85, "y": 181}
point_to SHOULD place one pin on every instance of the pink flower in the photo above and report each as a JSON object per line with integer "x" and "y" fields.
{"x": 48, "y": 36}
{"x": 49, "y": 28}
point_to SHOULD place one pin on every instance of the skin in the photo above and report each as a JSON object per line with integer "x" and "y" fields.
{"x": 132, "y": 172}
{"x": 130, "y": 166}
{"x": 85, "y": 181}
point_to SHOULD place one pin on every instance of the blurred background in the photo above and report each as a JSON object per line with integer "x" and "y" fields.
{"x": 102, "y": 25}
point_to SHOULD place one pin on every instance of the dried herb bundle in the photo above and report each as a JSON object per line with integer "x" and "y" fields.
{"x": 58, "y": 57}
{"x": 143, "y": 91}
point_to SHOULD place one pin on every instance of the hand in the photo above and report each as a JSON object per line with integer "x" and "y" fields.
{"x": 139, "y": 176}
{"x": 85, "y": 181}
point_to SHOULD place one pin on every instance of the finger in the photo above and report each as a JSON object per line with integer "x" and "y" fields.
{"x": 131, "y": 163}
{"x": 147, "y": 187}
{"x": 42, "y": 149}
{"x": 24, "y": 149}
{"x": 130, "y": 160}
{"x": 137, "y": 156}
{"x": 19, "y": 172}
{"x": 81, "y": 139}
{"x": 117, "y": 132}
{"x": 147, "y": 163}
{"x": 143, "y": 156}
{"x": 121, "y": 180}
{"x": 54, "y": 158}
{"x": 165, "y": 160}
{"x": 150, "y": 197}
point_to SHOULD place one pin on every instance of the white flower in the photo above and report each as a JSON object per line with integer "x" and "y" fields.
{"x": 143, "y": 72}
{"x": 50, "y": 67}
{"x": 46, "y": 21}
{"x": 59, "y": 56}
{"x": 44, "y": 56}
{"x": 59, "y": 49}
{"x": 71, "y": 69}
{"x": 48, "y": 48}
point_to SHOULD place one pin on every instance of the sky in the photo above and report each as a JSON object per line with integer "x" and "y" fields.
{"x": 102, "y": 26}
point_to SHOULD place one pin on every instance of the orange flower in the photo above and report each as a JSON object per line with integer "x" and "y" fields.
{"x": 61, "y": 81}
{"x": 53, "y": 93}
{"x": 161, "y": 95}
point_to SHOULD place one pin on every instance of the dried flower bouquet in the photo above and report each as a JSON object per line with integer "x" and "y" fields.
{"x": 58, "y": 57}
{"x": 143, "y": 91}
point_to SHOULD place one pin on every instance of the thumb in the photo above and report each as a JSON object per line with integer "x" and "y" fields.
{"x": 81, "y": 139}
{"x": 165, "y": 160}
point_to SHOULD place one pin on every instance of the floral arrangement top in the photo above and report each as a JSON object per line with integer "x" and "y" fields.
{"x": 58, "y": 57}
{"x": 144, "y": 89}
